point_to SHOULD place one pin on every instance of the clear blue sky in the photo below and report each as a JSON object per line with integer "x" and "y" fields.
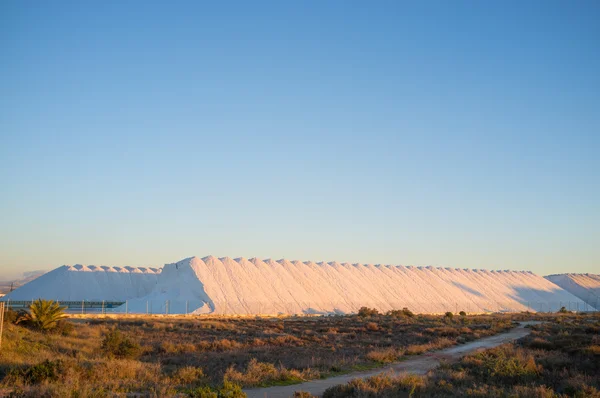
{"x": 429, "y": 133}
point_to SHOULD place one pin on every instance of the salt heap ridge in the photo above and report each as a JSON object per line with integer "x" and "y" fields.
{"x": 92, "y": 283}
{"x": 584, "y": 286}
{"x": 242, "y": 286}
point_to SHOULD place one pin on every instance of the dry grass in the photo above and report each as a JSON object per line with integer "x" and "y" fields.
{"x": 561, "y": 358}
{"x": 263, "y": 374}
{"x": 180, "y": 355}
{"x": 383, "y": 385}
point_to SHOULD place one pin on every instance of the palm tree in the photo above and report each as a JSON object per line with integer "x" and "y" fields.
{"x": 44, "y": 314}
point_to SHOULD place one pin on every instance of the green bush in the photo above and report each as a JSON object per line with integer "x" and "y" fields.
{"x": 448, "y": 315}
{"x": 231, "y": 390}
{"x": 505, "y": 364}
{"x": 64, "y": 328}
{"x": 43, "y": 315}
{"x": 462, "y": 313}
{"x": 47, "y": 371}
{"x": 262, "y": 374}
{"x": 117, "y": 345}
{"x": 203, "y": 392}
{"x": 228, "y": 390}
{"x": 407, "y": 312}
{"x": 382, "y": 385}
{"x": 404, "y": 312}
{"x": 367, "y": 312}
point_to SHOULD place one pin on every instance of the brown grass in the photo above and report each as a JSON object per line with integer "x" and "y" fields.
{"x": 559, "y": 359}
{"x": 179, "y": 354}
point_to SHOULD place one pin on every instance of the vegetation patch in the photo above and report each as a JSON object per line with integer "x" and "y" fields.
{"x": 195, "y": 356}
{"x": 116, "y": 344}
{"x": 260, "y": 374}
{"x": 558, "y": 359}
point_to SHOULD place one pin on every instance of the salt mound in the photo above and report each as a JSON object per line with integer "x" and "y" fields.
{"x": 584, "y": 286}
{"x": 241, "y": 286}
{"x": 254, "y": 286}
{"x": 91, "y": 283}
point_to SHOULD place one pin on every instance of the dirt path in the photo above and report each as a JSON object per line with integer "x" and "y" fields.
{"x": 419, "y": 365}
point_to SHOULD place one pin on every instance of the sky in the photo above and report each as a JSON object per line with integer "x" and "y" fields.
{"x": 462, "y": 134}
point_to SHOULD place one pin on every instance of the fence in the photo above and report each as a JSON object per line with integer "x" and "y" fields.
{"x": 169, "y": 307}
{"x": 71, "y": 306}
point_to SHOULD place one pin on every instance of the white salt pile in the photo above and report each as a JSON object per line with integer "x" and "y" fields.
{"x": 91, "y": 283}
{"x": 241, "y": 286}
{"x": 584, "y": 286}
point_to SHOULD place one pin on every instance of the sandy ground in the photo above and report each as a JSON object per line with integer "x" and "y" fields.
{"x": 419, "y": 365}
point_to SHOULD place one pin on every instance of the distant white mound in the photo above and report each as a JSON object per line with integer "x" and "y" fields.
{"x": 92, "y": 283}
{"x": 240, "y": 286}
{"x": 584, "y": 286}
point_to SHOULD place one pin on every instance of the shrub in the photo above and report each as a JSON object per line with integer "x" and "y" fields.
{"x": 404, "y": 312}
{"x": 168, "y": 347}
{"x": 367, "y": 312}
{"x": 383, "y": 385}
{"x": 188, "y": 375}
{"x": 302, "y": 394}
{"x": 443, "y": 331}
{"x": 407, "y": 312}
{"x": 563, "y": 310}
{"x": 42, "y": 372}
{"x": 115, "y": 344}
{"x": 43, "y": 315}
{"x": 10, "y": 316}
{"x": 448, "y": 315}
{"x": 417, "y": 349}
{"x": 462, "y": 313}
{"x": 504, "y": 364}
{"x": 372, "y": 326}
{"x": 385, "y": 355}
{"x": 64, "y": 328}
{"x": 203, "y": 392}
{"x": 263, "y": 374}
{"x": 594, "y": 350}
{"x": 228, "y": 390}
{"x": 540, "y": 343}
